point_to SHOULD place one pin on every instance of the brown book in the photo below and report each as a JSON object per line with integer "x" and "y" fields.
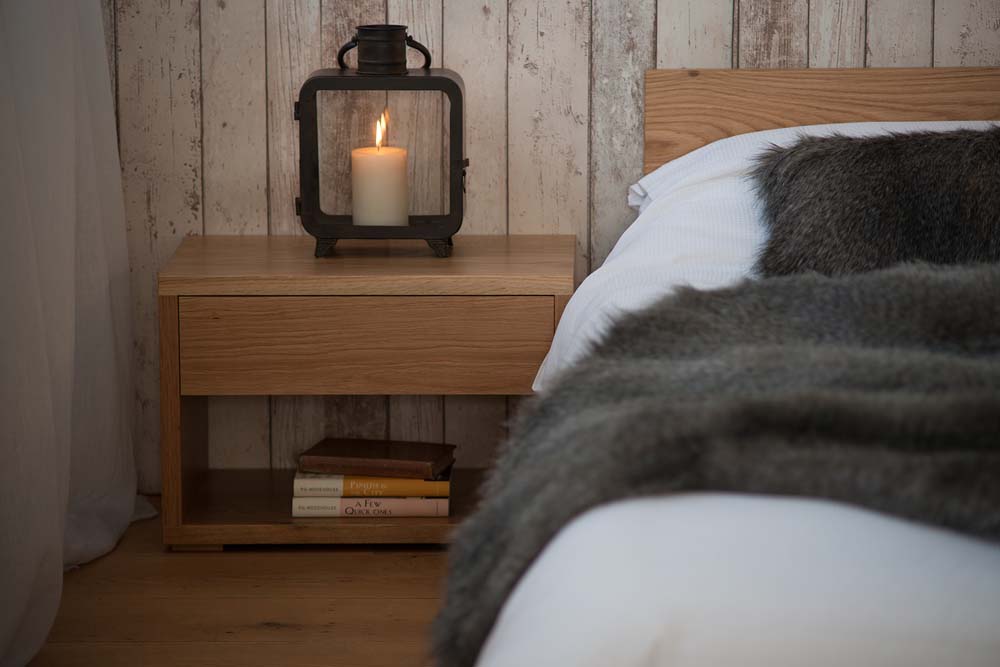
{"x": 377, "y": 458}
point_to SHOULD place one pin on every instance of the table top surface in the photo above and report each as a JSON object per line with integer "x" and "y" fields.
{"x": 285, "y": 265}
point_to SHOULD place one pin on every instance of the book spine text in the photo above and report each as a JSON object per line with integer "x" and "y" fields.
{"x": 368, "y": 507}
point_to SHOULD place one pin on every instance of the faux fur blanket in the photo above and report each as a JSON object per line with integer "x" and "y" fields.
{"x": 880, "y": 389}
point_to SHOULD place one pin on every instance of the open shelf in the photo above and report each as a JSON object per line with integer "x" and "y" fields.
{"x": 254, "y": 507}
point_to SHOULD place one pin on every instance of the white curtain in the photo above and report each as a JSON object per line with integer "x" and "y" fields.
{"x": 67, "y": 479}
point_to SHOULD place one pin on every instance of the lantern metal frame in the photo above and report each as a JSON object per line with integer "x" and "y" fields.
{"x": 436, "y": 229}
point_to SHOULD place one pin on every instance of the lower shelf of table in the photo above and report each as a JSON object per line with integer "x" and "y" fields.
{"x": 254, "y": 507}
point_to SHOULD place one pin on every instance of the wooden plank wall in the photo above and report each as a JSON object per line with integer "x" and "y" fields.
{"x": 554, "y": 133}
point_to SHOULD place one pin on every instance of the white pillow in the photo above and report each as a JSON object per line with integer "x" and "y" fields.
{"x": 699, "y": 225}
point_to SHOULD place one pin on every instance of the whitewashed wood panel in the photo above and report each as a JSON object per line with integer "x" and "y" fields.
{"x": 624, "y": 48}
{"x": 476, "y": 446}
{"x": 302, "y": 421}
{"x": 967, "y": 33}
{"x": 837, "y": 33}
{"x": 773, "y": 33}
{"x": 566, "y": 90}
{"x": 418, "y": 418}
{"x": 548, "y": 120}
{"x": 234, "y": 150}
{"x": 692, "y": 33}
{"x": 346, "y": 119}
{"x": 475, "y": 46}
{"x": 900, "y": 33}
{"x": 417, "y": 122}
{"x": 298, "y": 422}
{"x": 159, "y": 103}
{"x": 416, "y": 118}
{"x": 293, "y": 51}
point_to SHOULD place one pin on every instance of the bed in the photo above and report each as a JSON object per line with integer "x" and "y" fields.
{"x": 734, "y": 579}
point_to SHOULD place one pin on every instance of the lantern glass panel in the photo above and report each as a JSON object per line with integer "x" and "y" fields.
{"x": 417, "y": 121}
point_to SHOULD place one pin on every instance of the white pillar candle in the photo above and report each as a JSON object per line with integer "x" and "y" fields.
{"x": 379, "y": 186}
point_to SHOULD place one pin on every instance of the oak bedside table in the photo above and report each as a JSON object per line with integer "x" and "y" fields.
{"x": 258, "y": 315}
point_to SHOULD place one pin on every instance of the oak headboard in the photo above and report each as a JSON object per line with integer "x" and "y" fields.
{"x": 686, "y": 109}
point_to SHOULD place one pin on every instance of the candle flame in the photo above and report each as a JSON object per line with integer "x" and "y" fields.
{"x": 381, "y": 130}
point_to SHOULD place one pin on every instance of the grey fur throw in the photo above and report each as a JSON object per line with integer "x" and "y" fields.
{"x": 842, "y": 205}
{"x": 880, "y": 389}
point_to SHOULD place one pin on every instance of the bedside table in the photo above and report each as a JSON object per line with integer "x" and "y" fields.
{"x": 259, "y": 315}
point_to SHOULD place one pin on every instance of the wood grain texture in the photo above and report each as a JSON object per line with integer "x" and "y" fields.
{"x": 688, "y": 109}
{"x": 692, "y": 33}
{"x": 346, "y": 119}
{"x": 298, "y": 422}
{"x": 624, "y": 48}
{"x": 362, "y": 345}
{"x": 234, "y": 114}
{"x": 170, "y": 412}
{"x": 837, "y": 33}
{"x": 773, "y": 33}
{"x": 900, "y": 33}
{"x": 293, "y": 51}
{"x": 548, "y": 120}
{"x": 246, "y": 608}
{"x": 160, "y": 134}
{"x": 254, "y": 507}
{"x": 418, "y": 122}
{"x": 476, "y": 446}
{"x": 475, "y": 45}
{"x": 203, "y": 618}
{"x": 556, "y": 154}
{"x": 248, "y": 265}
{"x": 254, "y": 576}
{"x": 417, "y": 418}
{"x": 967, "y": 34}
{"x": 234, "y": 148}
{"x": 474, "y": 39}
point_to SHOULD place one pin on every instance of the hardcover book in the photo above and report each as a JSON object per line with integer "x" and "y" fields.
{"x": 377, "y": 458}
{"x": 369, "y": 507}
{"x": 310, "y": 484}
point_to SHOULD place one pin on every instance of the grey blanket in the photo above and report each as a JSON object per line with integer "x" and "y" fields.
{"x": 879, "y": 389}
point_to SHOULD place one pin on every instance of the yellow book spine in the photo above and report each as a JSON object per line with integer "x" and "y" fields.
{"x": 388, "y": 486}
{"x": 346, "y": 486}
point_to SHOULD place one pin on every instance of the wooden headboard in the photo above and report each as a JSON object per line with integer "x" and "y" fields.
{"x": 686, "y": 109}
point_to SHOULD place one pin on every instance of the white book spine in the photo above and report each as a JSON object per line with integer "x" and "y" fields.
{"x": 368, "y": 507}
{"x": 325, "y": 485}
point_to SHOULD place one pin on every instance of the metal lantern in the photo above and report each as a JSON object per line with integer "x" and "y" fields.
{"x": 381, "y": 67}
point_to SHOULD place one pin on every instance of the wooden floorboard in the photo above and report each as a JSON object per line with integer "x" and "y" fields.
{"x": 345, "y": 606}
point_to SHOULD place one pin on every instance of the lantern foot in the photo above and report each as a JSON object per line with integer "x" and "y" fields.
{"x": 441, "y": 247}
{"x": 324, "y": 247}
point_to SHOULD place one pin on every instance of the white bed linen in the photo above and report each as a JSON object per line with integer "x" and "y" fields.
{"x": 717, "y": 580}
{"x": 699, "y": 226}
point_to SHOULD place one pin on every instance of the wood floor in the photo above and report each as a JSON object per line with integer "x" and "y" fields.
{"x": 339, "y": 607}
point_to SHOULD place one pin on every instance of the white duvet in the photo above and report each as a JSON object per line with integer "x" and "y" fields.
{"x": 716, "y": 580}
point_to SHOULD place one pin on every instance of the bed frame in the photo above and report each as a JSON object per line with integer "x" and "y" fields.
{"x": 686, "y": 109}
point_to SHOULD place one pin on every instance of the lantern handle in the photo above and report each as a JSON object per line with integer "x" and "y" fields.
{"x": 423, "y": 49}
{"x": 344, "y": 49}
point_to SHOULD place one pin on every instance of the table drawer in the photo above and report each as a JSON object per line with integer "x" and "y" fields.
{"x": 362, "y": 345}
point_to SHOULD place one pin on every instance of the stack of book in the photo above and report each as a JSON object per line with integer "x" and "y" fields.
{"x": 340, "y": 477}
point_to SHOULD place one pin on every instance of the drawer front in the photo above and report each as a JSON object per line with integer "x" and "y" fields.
{"x": 362, "y": 345}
